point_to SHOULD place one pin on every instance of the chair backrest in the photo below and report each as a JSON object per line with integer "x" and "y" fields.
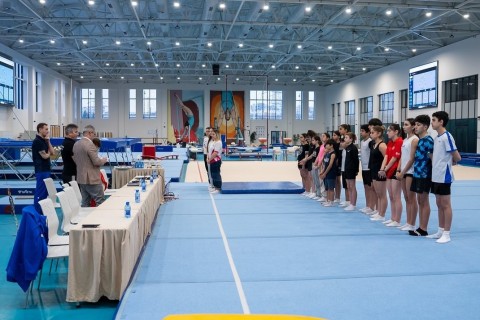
{"x": 66, "y": 209}
{"x": 52, "y": 191}
{"x": 72, "y": 200}
{"x": 76, "y": 189}
{"x": 48, "y": 209}
{"x": 105, "y": 177}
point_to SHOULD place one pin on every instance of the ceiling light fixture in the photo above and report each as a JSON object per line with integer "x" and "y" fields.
{"x": 329, "y": 47}
{"x": 20, "y": 40}
{"x": 294, "y": 80}
{"x": 141, "y": 78}
{"x": 149, "y": 43}
{"x": 266, "y": 6}
{"x": 348, "y": 10}
{"x": 178, "y": 78}
{"x": 364, "y": 68}
{"x": 299, "y": 46}
{"x": 466, "y": 16}
{"x": 118, "y": 43}
{"x": 176, "y": 4}
{"x": 107, "y": 64}
{"x": 101, "y": 77}
{"x": 204, "y": 65}
{"x": 308, "y": 9}
{"x": 81, "y": 77}
{"x": 313, "y": 80}
{"x": 319, "y": 68}
{"x": 222, "y": 5}
{"x": 82, "y": 63}
{"x": 42, "y": 1}
{"x": 359, "y": 48}
{"x": 122, "y": 77}
{"x": 276, "y": 79}
{"x": 156, "y": 64}
{"x": 58, "y": 63}
{"x": 331, "y": 80}
{"x": 178, "y": 65}
{"x": 134, "y": 3}
{"x": 240, "y": 45}
{"x": 270, "y": 45}
{"x": 91, "y": 2}
{"x": 387, "y": 49}
{"x": 414, "y": 50}
{"x": 388, "y": 12}
{"x": 250, "y": 66}
{"x": 52, "y": 41}
{"x": 428, "y": 14}
{"x": 342, "y": 68}
{"x": 273, "y": 67}
{"x": 132, "y": 64}
{"x": 200, "y": 78}
{"x": 84, "y": 41}
{"x": 297, "y": 67}
{"x": 237, "y": 79}
{"x": 177, "y": 43}
{"x": 209, "y": 44}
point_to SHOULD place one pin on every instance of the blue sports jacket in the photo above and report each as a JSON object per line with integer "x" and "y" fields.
{"x": 30, "y": 248}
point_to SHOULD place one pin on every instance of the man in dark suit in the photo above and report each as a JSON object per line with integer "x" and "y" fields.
{"x": 88, "y": 164}
{"x": 69, "y": 166}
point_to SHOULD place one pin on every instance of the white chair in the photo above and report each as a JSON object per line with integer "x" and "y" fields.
{"x": 78, "y": 213}
{"x": 76, "y": 188}
{"x": 54, "y": 239}
{"x": 292, "y": 151}
{"x": 107, "y": 191}
{"x": 54, "y": 252}
{"x": 52, "y": 191}
{"x": 68, "y": 213}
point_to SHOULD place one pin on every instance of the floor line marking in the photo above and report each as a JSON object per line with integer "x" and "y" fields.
{"x": 199, "y": 172}
{"x": 236, "y": 277}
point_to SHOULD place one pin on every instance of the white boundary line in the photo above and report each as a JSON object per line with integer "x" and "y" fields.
{"x": 238, "y": 282}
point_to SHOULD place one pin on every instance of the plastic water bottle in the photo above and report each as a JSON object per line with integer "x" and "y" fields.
{"x": 151, "y": 178}
{"x": 137, "y": 196}
{"x": 144, "y": 185}
{"x": 128, "y": 210}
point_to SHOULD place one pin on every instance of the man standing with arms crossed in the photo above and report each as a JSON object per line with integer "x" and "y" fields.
{"x": 41, "y": 151}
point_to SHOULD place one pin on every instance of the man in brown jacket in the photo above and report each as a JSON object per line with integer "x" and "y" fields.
{"x": 88, "y": 163}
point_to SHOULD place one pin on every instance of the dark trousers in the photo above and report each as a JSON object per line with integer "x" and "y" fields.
{"x": 206, "y": 166}
{"x": 215, "y": 172}
{"x": 40, "y": 190}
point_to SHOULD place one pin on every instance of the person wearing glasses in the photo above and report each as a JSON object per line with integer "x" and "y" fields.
{"x": 88, "y": 163}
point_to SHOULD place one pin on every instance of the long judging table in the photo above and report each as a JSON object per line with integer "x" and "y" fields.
{"x": 102, "y": 259}
{"x": 121, "y": 175}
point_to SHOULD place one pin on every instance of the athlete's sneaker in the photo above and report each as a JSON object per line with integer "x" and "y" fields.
{"x": 327, "y": 204}
{"x": 374, "y": 212}
{"x": 393, "y": 224}
{"x": 444, "y": 238}
{"x": 344, "y": 204}
{"x": 350, "y": 208}
{"x": 377, "y": 217}
{"x": 336, "y": 200}
{"x": 418, "y": 232}
{"x": 407, "y": 227}
{"x": 368, "y": 211}
{"x": 437, "y": 235}
{"x": 322, "y": 199}
{"x": 215, "y": 191}
{"x": 387, "y": 221}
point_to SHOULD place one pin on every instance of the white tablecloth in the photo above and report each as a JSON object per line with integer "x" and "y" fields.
{"x": 120, "y": 177}
{"x": 102, "y": 259}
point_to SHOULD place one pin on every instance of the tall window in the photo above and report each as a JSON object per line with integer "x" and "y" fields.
{"x": 366, "y": 109}
{"x": 19, "y": 86}
{"x": 88, "y": 103}
{"x": 149, "y": 103}
{"x": 350, "y": 114}
{"x": 132, "y": 114}
{"x": 403, "y": 105}
{"x": 38, "y": 92}
{"x": 105, "y": 110}
{"x": 386, "y": 108}
{"x": 311, "y": 105}
{"x": 460, "y": 96}
{"x": 332, "y": 128}
{"x": 63, "y": 98}
{"x": 298, "y": 105}
{"x": 261, "y": 101}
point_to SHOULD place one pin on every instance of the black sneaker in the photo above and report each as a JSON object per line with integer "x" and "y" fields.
{"x": 418, "y": 233}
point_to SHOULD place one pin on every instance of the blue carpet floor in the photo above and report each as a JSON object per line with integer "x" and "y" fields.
{"x": 294, "y": 256}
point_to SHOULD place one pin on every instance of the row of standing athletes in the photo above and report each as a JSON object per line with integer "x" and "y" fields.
{"x": 404, "y": 164}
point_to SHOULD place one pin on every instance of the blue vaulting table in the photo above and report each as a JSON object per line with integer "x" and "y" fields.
{"x": 102, "y": 259}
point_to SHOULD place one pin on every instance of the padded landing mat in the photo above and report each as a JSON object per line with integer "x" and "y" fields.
{"x": 282, "y": 187}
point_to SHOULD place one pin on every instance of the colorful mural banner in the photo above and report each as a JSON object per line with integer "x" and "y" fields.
{"x": 186, "y": 116}
{"x": 227, "y": 110}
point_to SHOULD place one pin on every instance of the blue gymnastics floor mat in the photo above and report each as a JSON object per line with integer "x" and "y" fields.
{"x": 280, "y": 187}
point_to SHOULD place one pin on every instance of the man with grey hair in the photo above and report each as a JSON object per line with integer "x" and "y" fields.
{"x": 69, "y": 168}
{"x": 88, "y": 164}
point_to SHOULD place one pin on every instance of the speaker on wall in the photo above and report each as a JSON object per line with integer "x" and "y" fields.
{"x": 216, "y": 69}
